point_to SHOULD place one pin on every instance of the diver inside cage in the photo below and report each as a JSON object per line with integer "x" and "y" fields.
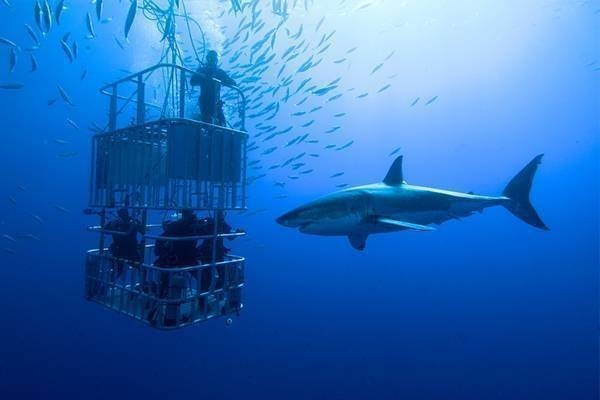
{"x": 185, "y": 253}
{"x": 205, "y": 251}
{"x": 125, "y": 246}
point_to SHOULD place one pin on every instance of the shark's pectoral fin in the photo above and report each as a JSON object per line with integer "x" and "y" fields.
{"x": 403, "y": 225}
{"x": 358, "y": 240}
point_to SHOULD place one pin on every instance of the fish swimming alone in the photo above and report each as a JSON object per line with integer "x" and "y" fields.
{"x": 393, "y": 205}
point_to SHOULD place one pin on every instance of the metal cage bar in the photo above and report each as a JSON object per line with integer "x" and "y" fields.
{"x": 175, "y": 163}
{"x": 165, "y": 298}
{"x": 176, "y": 89}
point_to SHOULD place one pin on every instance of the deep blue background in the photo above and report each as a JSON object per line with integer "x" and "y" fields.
{"x": 485, "y": 308}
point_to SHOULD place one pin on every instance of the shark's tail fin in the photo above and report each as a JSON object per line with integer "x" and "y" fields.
{"x": 518, "y": 190}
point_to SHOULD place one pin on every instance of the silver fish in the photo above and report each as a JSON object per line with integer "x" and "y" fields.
{"x": 384, "y": 88}
{"x": 346, "y": 145}
{"x": 67, "y": 50}
{"x": 72, "y": 123}
{"x": 37, "y": 15}
{"x": 32, "y": 34}
{"x": 395, "y": 151}
{"x": 377, "y": 68}
{"x": 130, "y": 17}
{"x": 28, "y": 236}
{"x": 8, "y": 42}
{"x": 319, "y": 24}
{"x": 9, "y": 238}
{"x": 47, "y": 17}
{"x": 120, "y": 44}
{"x": 34, "y": 64}
{"x": 99, "y": 4}
{"x": 434, "y": 98}
{"x": 12, "y": 86}
{"x": 59, "y": 10}
{"x": 75, "y": 49}
{"x": 62, "y": 209}
{"x": 12, "y": 61}
{"x": 90, "y": 25}
{"x": 64, "y": 95}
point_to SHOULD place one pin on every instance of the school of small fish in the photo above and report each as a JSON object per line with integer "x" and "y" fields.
{"x": 271, "y": 55}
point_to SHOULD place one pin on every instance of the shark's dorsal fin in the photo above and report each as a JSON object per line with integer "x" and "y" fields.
{"x": 394, "y": 176}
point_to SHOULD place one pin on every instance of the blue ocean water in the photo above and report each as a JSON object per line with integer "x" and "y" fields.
{"x": 483, "y": 308}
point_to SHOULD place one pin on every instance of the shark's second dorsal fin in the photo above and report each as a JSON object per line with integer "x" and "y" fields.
{"x": 394, "y": 175}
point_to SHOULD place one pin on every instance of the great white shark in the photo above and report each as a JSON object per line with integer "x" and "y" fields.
{"x": 393, "y": 205}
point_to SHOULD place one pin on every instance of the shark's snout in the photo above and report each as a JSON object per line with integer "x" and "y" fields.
{"x": 286, "y": 220}
{"x": 281, "y": 220}
{"x": 292, "y": 219}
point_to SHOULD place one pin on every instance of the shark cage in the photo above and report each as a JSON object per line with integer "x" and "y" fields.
{"x": 153, "y": 158}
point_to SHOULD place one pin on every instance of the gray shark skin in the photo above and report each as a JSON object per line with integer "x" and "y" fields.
{"x": 393, "y": 205}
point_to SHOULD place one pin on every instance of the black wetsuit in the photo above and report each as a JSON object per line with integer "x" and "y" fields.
{"x": 125, "y": 246}
{"x": 205, "y": 250}
{"x": 180, "y": 252}
{"x": 211, "y": 107}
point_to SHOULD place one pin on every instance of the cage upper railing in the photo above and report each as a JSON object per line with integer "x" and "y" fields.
{"x": 169, "y": 164}
{"x": 175, "y": 83}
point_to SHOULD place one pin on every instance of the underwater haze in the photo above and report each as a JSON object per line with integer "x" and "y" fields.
{"x": 468, "y": 92}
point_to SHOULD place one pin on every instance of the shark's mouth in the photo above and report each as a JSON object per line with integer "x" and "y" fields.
{"x": 304, "y": 227}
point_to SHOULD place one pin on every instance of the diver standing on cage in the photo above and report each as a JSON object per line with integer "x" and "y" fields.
{"x": 210, "y": 77}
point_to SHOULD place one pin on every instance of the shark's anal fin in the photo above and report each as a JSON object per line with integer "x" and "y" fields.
{"x": 358, "y": 240}
{"x": 404, "y": 225}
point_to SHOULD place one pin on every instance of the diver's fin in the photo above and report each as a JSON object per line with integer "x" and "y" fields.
{"x": 518, "y": 190}
{"x": 404, "y": 225}
{"x": 394, "y": 176}
{"x": 358, "y": 240}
